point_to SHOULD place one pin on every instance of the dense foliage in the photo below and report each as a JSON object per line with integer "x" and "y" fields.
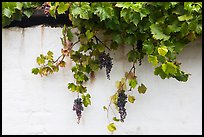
{"x": 16, "y": 10}
{"x": 157, "y": 30}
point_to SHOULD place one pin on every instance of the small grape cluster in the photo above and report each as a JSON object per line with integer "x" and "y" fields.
{"x": 139, "y": 48}
{"x": 78, "y": 108}
{"x": 46, "y": 8}
{"x": 106, "y": 62}
{"x": 121, "y": 101}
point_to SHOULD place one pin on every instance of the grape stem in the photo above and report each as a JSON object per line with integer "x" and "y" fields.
{"x": 98, "y": 40}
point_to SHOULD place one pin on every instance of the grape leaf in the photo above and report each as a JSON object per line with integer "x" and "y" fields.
{"x": 115, "y": 119}
{"x": 162, "y": 50}
{"x": 148, "y": 47}
{"x": 7, "y": 13}
{"x": 89, "y": 34}
{"x": 185, "y": 17}
{"x": 169, "y": 68}
{"x": 142, "y": 89}
{"x": 40, "y": 60}
{"x": 156, "y": 30}
{"x": 131, "y": 99}
{"x": 28, "y": 12}
{"x": 132, "y": 83}
{"x": 86, "y": 100}
{"x": 111, "y": 127}
{"x": 104, "y": 10}
{"x": 72, "y": 87}
{"x": 105, "y": 108}
{"x": 62, "y": 7}
{"x": 69, "y": 34}
{"x": 35, "y": 71}
{"x": 153, "y": 59}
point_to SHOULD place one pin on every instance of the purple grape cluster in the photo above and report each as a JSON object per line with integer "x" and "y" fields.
{"x": 106, "y": 62}
{"x": 78, "y": 108}
{"x": 121, "y": 101}
{"x": 46, "y": 8}
{"x": 139, "y": 48}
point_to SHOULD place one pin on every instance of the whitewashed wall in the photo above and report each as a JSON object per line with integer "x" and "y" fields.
{"x": 41, "y": 106}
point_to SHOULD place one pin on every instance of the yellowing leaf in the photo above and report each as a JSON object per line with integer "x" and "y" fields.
{"x": 115, "y": 119}
{"x": 62, "y": 7}
{"x": 142, "y": 89}
{"x": 131, "y": 99}
{"x": 111, "y": 127}
{"x": 153, "y": 59}
{"x": 162, "y": 50}
{"x": 169, "y": 68}
{"x": 132, "y": 83}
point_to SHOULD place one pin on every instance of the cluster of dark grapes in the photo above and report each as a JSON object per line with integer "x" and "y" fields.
{"x": 46, "y": 8}
{"x": 122, "y": 100}
{"x": 106, "y": 62}
{"x": 78, "y": 108}
{"x": 139, "y": 48}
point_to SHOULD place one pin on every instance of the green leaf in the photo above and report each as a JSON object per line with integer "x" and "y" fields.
{"x": 133, "y": 56}
{"x": 7, "y": 12}
{"x": 40, "y": 60}
{"x": 19, "y": 5}
{"x": 169, "y": 68}
{"x": 124, "y": 4}
{"x": 89, "y": 34}
{"x": 72, "y": 87}
{"x": 81, "y": 89}
{"x": 130, "y": 40}
{"x": 148, "y": 47}
{"x": 104, "y": 10}
{"x": 69, "y": 34}
{"x": 35, "y": 71}
{"x": 52, "y": 11}
{"x": 86, "y": 100}
{"x": 157, "y": 32}
{"x": 185, "y": 17}
{"x": 115, "y": 119}
{"x": 50, "y": 53}
{"x": 181, "y": 76}
{"x": 132, "y": 83}
{"x": 105, "y": 108}
{"x": 28, "y": 13}
{"x": 131, "y": 99}
{"x": 142, "y": 89}
{"x": 184, "y": 29}
{"x": 160, "y": 72}
{"x": 111, "y": 127}
{"x": 62, "y": 7}
{"x": 153, "y": 59}
{"x": 117, "y": 38}
{"x": 162, "y": 50}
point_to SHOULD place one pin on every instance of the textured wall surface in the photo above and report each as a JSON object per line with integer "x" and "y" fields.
{"x": 37, "y": 105}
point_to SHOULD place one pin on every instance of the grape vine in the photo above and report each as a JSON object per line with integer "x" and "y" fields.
{"x": 156, "y": 30}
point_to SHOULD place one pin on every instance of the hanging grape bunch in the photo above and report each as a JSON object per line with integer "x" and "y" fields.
{"x": 106, "y": 62}
{"x": 78, "y": 108}
{"x": 139, "y": 48}
{"x": 46, "y": 8}
{"x": 122, "y": 100}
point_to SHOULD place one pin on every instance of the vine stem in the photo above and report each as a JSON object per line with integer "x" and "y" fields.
{"x": 97, "y": 39}
{"x": 109, "y": 106}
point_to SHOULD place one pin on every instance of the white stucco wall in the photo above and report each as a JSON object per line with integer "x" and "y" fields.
{"x": 41, "y": 106}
